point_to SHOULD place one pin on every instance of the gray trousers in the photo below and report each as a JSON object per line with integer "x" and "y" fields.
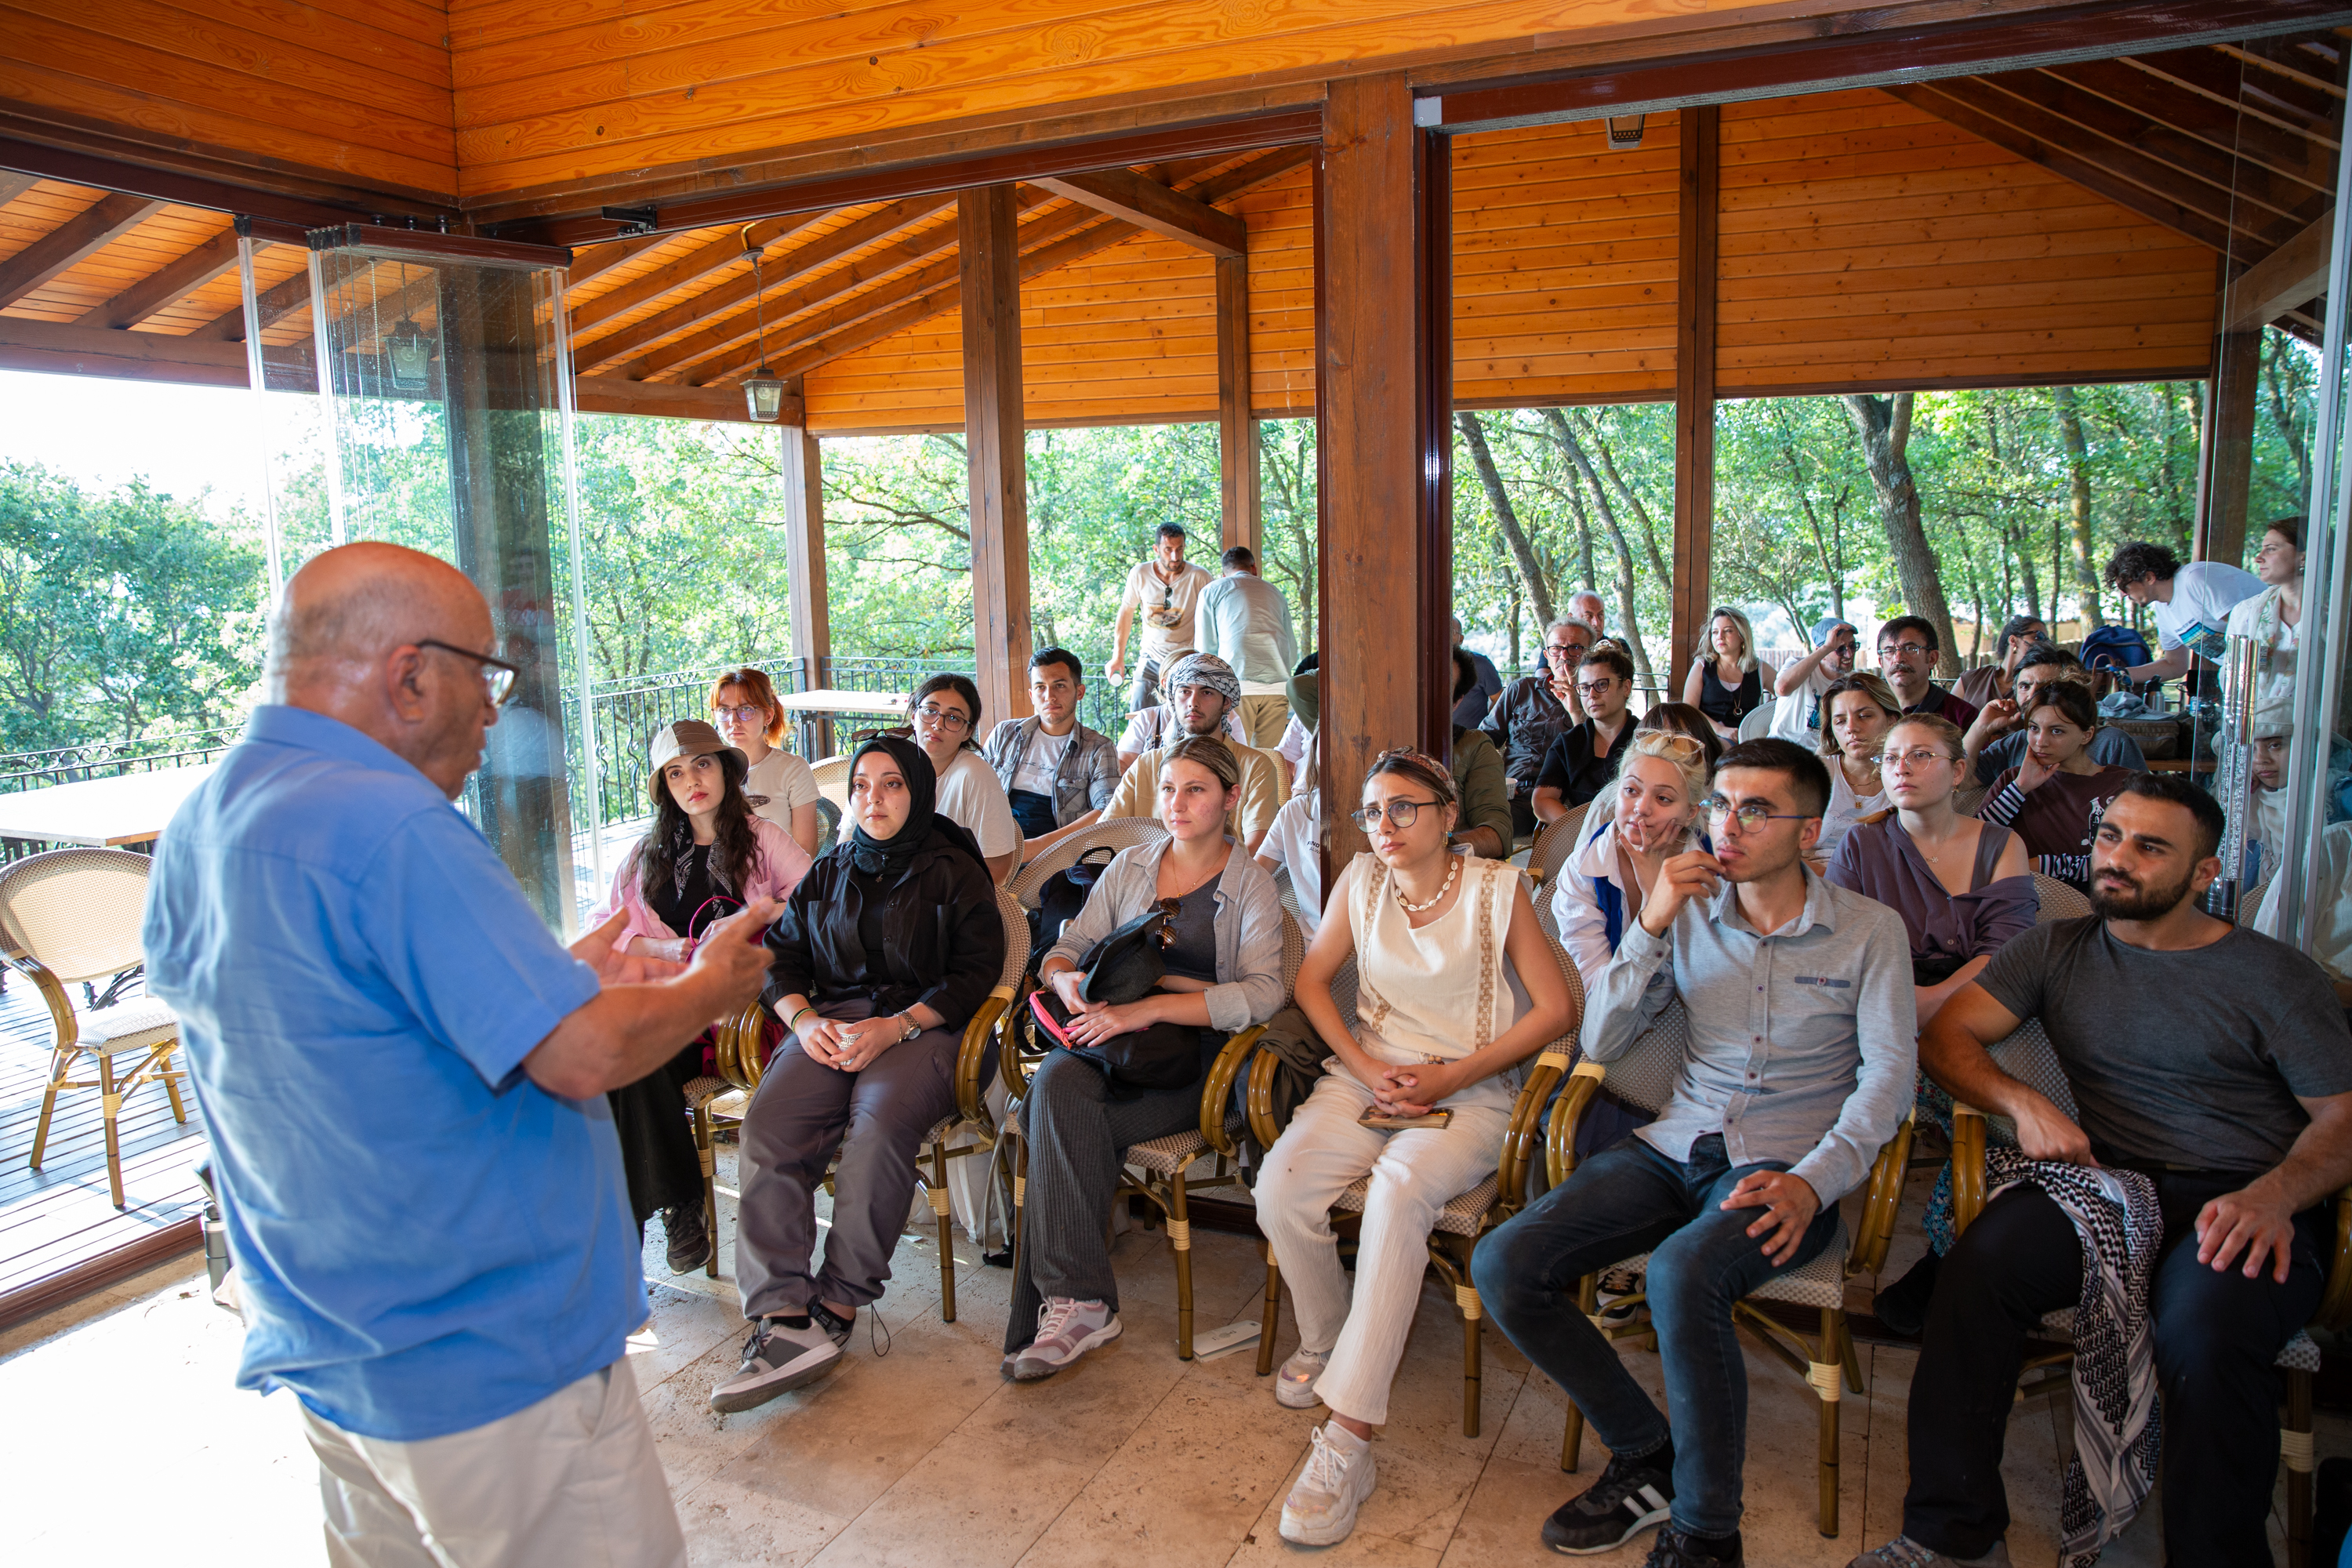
{"x": 802, "y": 1112}
{"x": 1076, "y": 1132}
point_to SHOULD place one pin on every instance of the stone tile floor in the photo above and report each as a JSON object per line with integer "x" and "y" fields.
{"x": 125, "y": 1429}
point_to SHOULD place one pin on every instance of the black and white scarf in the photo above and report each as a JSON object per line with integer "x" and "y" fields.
{"x": 2119, "y": 1429}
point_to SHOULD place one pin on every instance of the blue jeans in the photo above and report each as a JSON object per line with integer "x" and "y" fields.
{"x": 1626, "y": 1199}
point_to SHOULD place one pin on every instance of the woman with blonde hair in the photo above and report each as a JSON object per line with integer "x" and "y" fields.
{"x": 1726, "y": 680}
{"x": 1857, "y": 710}
{"x": 1455, "y": 986}
{"x": 781, "y": 787}
{"x": 1652, "y": 815}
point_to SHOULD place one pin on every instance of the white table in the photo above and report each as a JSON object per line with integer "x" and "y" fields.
{"x": 834, "y": 701}
{"x": 130, "y": 808}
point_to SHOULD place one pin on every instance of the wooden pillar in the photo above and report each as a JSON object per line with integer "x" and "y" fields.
{"x": 2225, "y": 455}
{"x": 988, "y": 247}
{"x": 1385, "y": 477}
{"x": 1695, "y": 295}
{"x": 1236, "y": 431}
{"x": 803, "y": 475}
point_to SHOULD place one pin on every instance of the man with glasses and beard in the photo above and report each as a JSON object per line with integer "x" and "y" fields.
{"x": 1535, "y": 711}
{"x": 2214, "y": 1061}
{"x": 1799, "y": 1066}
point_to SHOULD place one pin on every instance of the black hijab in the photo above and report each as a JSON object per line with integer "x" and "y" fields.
{"x": 890, "y": 857}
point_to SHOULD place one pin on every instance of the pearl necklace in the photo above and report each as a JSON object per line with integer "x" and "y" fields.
{"x": 1451, "y": 872}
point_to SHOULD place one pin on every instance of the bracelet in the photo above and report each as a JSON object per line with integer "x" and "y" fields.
{"x": 792, "y": 1024}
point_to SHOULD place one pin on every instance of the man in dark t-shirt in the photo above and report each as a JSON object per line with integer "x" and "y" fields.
{"x": 2212, "y": 1059}
{"x": 1584, "y": 761}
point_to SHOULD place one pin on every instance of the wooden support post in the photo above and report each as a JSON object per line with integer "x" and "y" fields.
{"x": 988, "y": 249}
{"x": 1695, "y": 295}
{"x": 1385, "y": 545}
{"x": 1236, "y": 431}
{"x": 802, "y": 475}
{"x": 2225, "y": 454}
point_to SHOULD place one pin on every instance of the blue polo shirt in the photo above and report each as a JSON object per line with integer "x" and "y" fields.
{"x": 426, "y": 1240}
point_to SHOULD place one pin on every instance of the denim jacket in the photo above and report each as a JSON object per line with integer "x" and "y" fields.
{"x": 1084, "y": 782}
{"x": 1249, "y": 928}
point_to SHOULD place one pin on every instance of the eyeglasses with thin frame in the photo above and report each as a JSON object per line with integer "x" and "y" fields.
{"x": 1601, "y": 687}
{"x": 1752, "y": 814}
{"x": 497, "y": 675}
{"x": 1916, "y": 760}
{"x": 747, "y": 714}
{"x": 1554, "y": 649}
{"x": 1400, "y": 814}
{"x": 1889, "y": 650}
{"x": 946, "y": 718}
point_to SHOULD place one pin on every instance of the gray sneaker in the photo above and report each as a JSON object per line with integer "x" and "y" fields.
{"x": 1066, "y": 1329}
{"x": 776, "y": 1359}
{"x": 1905, "y": 1552}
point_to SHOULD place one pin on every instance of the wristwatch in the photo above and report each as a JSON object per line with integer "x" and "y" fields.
{"x": 910, "y": 1031}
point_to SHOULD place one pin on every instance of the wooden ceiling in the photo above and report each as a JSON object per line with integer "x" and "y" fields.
{"x": 2233, "y": 147}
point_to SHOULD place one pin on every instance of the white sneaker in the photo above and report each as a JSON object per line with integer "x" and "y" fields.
{"x": 1293, "y": 1386}
{"x": 1321, "y": 1508}
{"x": 1066, "y": 1329}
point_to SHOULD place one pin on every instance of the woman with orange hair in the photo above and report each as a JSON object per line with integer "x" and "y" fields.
{"x": 780, "y": 785}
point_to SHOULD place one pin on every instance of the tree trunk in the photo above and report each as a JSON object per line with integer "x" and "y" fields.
{"x": 1883, "y": 425}
{"x": 1641, "y": 513}
{"x": 2078, "y": 502}
{"x": 1523, "y": 554}
{"x": 1628, "y": 613}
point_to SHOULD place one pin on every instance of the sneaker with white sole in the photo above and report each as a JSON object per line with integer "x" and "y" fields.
{"x": 1066, "y": 1329}
{"x": 1321, "y": 1508}
{"x": 776, "y": 1359}
{"x": 1294, "y": 1385}
{"x": 1631, "y": 1495}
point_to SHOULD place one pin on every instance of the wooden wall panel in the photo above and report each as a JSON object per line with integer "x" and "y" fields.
{"x": 1867, "y": 243}
{"x": 359, "y": 89}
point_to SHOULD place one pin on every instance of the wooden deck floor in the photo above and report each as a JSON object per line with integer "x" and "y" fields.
{"x": 58, "y": 1225}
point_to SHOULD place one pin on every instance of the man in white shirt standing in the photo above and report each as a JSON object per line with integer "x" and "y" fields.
{"x": 2190, "y": 604}
{"x": 1244, "y": 619}
{"x": 1167, "y": 591}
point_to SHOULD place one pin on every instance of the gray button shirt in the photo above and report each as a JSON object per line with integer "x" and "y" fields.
{"x": 1084, "y": 781}
{"x": 1803, "y": 1041}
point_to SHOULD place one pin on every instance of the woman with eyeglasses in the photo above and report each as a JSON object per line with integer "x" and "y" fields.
{"x": 878, "y": 961}
{"x": 945, "y": 710}
{"x": 1857, "y": 710}
{"x": 1963, "y": 886}
{"x": 1455, "y": 987}
{"x": 705, "y": 857}
{"x": 781, "y": 786}
{"x": 1223, "y": 974}
{"x": 2057, "y": 794}
{"x": 1726, "y": 680}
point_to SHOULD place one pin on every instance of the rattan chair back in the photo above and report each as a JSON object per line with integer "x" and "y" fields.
{"x": 833, "y": 781}
{"x": 1758, "y": 721}
{"x": 2059, "y": 902}
{"x": 76, "y": 912}
{"x": 1645, "y": 1075}
{"x": 1555, "y": 842}
{"x": 1115, "y": 833}
{"x": 1966, "y": 801}
{"x": 2027, "y": 1055}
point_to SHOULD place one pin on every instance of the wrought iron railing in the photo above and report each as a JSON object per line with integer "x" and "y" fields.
{"x": 107, "y": 759}
{"x": 627, "y": 711}
{"x": 1104, "y": 707}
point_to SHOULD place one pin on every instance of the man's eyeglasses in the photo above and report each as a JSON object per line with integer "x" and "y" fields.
{"x": 1752, "y": 814}
{"x": 1889, "y": 650}
{"x": 945, "y": 718}
{"x": 1557, "y": 649}
{"x": 748, "y": 715}
{"x": 1400, "y": 814}
{"x": 1914, "y": 760}
{"x": 497, "y": 675}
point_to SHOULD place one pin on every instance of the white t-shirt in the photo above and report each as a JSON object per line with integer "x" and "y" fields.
{"x": 1294, "y": 743}
{"x": 778, "y": 782}
{"x": 1295, "y": 843}
{"x": 970, "y": 796}
{"x": 2198, "y": 614}
{"x": 1040, "y": 760}
{"x": 1845, "y": 808}
{"x": 1163, "y": 610}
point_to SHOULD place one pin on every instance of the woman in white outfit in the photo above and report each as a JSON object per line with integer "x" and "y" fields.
{"x": 1437, "y": 938}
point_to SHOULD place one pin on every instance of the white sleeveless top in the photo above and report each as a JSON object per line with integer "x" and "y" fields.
{"x": 1444, "y": 990}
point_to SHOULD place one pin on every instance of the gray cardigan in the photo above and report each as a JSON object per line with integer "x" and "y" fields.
{"x": 1248, "y": 922}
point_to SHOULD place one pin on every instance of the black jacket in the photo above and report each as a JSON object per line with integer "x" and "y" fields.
{"x": 947, "y": 946}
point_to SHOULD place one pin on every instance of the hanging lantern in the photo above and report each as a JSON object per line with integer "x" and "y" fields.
{"x": 410, "y": 354}
{"x": 763, "y": 392}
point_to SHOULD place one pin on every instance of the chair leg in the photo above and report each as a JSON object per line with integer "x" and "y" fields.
{"x": 939, "y": 1186}
{"x": 1272, "y": 1313}
{"x": 59, "y": 1061}
{"x": 1572, "y": 1439}
{"x": 1180, "y": 1236}
{"x": 710, "y": 1159}
{"x": 1472, "y": 1322}
{"x": 2294, "y": 1443}
{"x": 171, "y": 1077}
{"x": 1825, "y": 1376}
{"x": 110, "y": 1107}
{"x": 1019, "y": 1197}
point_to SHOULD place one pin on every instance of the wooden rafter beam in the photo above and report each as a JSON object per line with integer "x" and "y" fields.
{"x": 590, "y": 260}
{"x": 277, "y": 302}
{"x": 77, "y": 350}
{"x": 683, "y": 271}
{"x": 167, "y": 285}
{"x": 2213, "y": 75}
{"x": 1960, "y": 103}
{"x": 2196, "y": 115}
{"x": 2283, "y": 280}
{"x": 822, "y": 251}
{"x": 70, "y": 242}
{"x": 1149, "y": 205}
{"x": 14, "y": 185}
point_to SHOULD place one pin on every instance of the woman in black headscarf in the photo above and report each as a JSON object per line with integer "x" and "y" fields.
{"x": 881, "y": 956}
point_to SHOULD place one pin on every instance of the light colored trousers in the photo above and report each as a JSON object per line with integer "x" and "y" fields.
{"x": 1263, "y": 719}
{"x": 1413, "y": 1172}
{"x": 570, "y": 1482}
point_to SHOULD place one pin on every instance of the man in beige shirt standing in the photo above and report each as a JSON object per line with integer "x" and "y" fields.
{"x": 1165, "y": 589}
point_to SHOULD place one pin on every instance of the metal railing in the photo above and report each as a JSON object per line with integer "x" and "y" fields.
{"x": 1103, "y": 707}
{"x": 627, "y": 710}
{"x": 108, "y": 759}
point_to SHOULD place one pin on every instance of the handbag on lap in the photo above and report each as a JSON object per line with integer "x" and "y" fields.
{"x": 1124, "y": 967}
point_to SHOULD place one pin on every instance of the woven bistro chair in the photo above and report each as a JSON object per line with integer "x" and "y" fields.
{"x": 73, "y": 915}
{"x": 2059, "y": 900}
{"x": 1112, "y": 833}
{"x": 725, "y": 1100}
{"x": 1554, "y": 843}
{"x": 1465, "y": 1217}
{"x": 1645, "y": 1077}
{"x": 2027, "y": 1055}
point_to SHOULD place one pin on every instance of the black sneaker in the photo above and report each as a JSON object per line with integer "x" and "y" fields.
{"x": 776, "y": 1359}
{"x": 836, "y": 1327}
{"x": 1902, "y": 1307}
{"x": 690, "y": 1239}
{"x": 1631, "y": 1495}
{"x": 1676, "y": 1549}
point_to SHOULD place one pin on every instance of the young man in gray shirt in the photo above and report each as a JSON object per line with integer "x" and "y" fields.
{"x": 1799, "y": 1066}
{"x": 2211, "y": 1059}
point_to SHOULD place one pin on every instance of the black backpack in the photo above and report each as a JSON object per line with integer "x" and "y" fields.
{"x": 1060, "y": 899}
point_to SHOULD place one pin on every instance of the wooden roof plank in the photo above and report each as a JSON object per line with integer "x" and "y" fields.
{"x": 14, "y": 185}
{"x": 1147, "y": 204}
{"x": 167, "y": 285}
{"x": 70, "y": 242}
{"x": 2210, "y": 74}
{"x": 687, "y": 269}
{"x": 2194, "y": 114}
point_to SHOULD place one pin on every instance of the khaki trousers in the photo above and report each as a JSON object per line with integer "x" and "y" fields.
{"x": 1263, "y": 719}
{"x": 570, "y": 1482}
